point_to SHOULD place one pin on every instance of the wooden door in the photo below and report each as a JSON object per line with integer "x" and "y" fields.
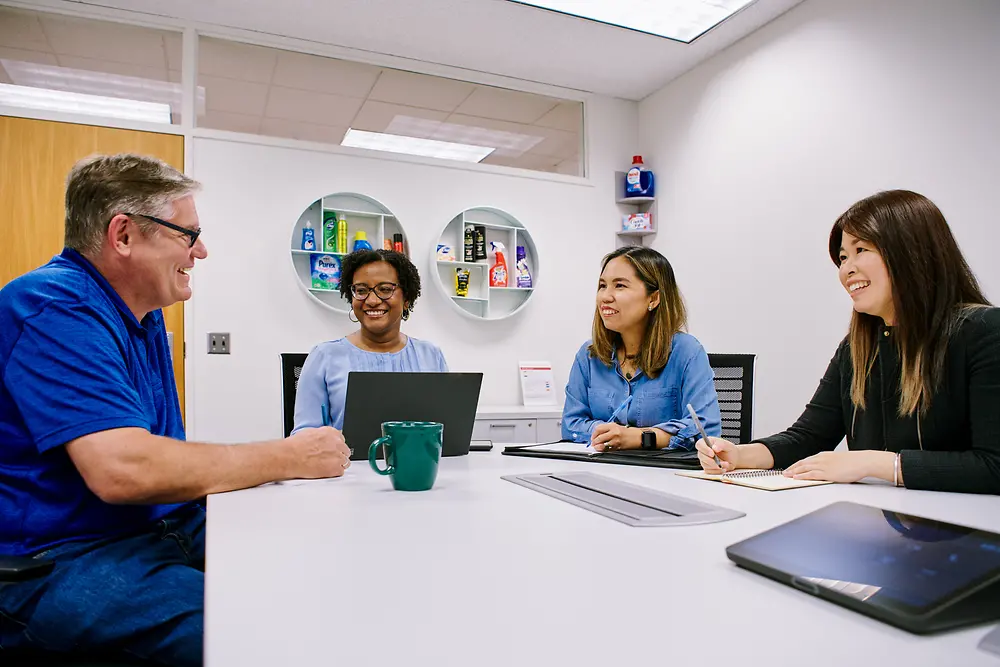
{"x": 35, "y": 157}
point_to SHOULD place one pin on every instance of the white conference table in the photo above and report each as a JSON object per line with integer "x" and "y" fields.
{"x": 480, "y": 571}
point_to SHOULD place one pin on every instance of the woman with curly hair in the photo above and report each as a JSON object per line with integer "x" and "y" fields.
{"x": 382, "y": 286}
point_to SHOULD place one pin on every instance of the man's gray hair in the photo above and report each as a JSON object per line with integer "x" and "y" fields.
{"x": 102, "y": 186}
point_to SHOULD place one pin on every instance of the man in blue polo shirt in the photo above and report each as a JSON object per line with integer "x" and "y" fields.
{"x": 95, "y": 473}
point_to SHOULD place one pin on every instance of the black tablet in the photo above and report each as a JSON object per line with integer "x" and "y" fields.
{"x": 918, "y": 574}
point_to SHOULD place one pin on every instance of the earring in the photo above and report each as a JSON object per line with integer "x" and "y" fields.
{"x": 406, "y": 313}
{"x": 349, "y": 313}
{"x": 650, "y": 307}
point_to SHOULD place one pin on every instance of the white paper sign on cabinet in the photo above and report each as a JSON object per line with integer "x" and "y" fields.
{"x": 537, "y": 383}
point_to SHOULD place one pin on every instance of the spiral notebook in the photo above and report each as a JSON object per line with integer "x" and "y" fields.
{"x": 768, "y": 480}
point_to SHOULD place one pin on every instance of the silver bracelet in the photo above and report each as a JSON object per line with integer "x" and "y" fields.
{"x": 895, "y": 471}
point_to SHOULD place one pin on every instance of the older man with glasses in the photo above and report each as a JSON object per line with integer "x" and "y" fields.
{"x": 96, "y": 476}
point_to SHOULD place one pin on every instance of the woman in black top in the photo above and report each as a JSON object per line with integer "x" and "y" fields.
{"x": 915, "y": 386}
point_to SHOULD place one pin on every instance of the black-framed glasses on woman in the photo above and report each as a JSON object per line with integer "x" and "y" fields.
{"x": 383, "y": 291}
{"x": 192, "y": 234}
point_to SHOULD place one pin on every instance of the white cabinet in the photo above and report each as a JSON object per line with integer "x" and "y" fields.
{"x": 517, "y": 424}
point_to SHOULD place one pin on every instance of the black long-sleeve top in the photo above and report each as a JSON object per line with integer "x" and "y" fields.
{"x": 957, "y": 447}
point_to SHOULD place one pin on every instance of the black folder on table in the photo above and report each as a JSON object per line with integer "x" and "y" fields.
{"x": 657, "y": 458}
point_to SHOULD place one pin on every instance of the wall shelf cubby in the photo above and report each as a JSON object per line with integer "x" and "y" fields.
{"x": 630, "y": 205}
{"x": 362, "y": 213}
{"x": 484, "y": 302}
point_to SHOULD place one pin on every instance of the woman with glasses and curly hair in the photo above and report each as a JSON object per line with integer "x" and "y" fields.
{"x": 382, "y": 286}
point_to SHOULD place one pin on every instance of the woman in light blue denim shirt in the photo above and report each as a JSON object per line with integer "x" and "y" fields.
{"x": 640, "y": 371}
{"x": 383, "y": 286}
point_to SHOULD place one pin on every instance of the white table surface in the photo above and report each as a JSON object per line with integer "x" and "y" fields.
{"x": 480, "y": 571}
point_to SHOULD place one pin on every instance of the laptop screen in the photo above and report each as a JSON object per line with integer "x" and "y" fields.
{"x": 896, "y": 561}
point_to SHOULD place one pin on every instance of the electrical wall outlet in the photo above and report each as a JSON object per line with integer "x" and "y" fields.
{"x": 218, "y": 343}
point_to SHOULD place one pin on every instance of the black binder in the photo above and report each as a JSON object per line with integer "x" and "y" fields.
{"x": 658, "y": 458}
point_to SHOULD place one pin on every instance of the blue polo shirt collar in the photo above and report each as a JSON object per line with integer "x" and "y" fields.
{"x": 148, "y": 324}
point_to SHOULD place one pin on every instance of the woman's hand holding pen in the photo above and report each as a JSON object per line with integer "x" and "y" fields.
{"x": 716, "y": 449}
{"x": 614, "y": 437}
{"x": 718, "y": 456}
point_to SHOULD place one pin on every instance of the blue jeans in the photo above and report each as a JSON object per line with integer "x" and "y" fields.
{"x": 139, "y": 596}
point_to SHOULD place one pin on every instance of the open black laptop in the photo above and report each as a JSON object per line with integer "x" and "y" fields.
{"x": 915, "y": 573}
{"x": 373, "y": 398}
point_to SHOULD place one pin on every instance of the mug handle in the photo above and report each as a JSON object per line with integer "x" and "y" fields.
{"x": 384, "y": 440}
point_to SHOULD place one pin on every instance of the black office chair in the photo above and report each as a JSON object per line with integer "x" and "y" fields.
{"x": 291, "y": 369}
{"x": 36, "y": 658}
{"x": 734, "y": 385}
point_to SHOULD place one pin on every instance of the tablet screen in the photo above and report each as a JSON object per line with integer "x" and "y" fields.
{"x": 897, "y": 561}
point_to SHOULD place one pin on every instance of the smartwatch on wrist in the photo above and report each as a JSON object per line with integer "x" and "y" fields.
{"x": 648, "y": 440}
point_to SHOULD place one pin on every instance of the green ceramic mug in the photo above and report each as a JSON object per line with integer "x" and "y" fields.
{"x": 412, "y": 452}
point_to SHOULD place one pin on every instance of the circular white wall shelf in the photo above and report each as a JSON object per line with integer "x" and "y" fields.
{"x": 362, "y": 214}
{"x": 484, "y": 302}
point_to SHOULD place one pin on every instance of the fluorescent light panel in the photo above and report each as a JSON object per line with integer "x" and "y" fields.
{"x": 397, "y": 143}
{"x": 91, "y": 105}
{"x": 681, "y": 20}
{"x": 92, "y": 82}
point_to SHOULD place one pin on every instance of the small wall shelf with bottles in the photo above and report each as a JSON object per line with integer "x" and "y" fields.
{"x": 318, "y": 269}
{"x": 637, "y": 220}
{"x": 480, "y": 300}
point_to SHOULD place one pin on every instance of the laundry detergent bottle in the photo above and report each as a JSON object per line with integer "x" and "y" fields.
{"x": 638, "y": 179}
{"x": 498, "y": 272}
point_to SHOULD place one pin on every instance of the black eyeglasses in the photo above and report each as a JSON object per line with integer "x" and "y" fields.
{"x": 383, "y": 291}
{"x": 192, "y": 234}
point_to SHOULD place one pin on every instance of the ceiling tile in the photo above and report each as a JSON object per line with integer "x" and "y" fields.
{"x": 26, "y": 56}
{"x": 172, "y": 45}
{"x": 501, "y": 125}
{"x": 21, "y": 30}
{"x": 217, "y": 57}
{"x": 311, "y": 107}
{"x": 222, "y": 94}
{"x": 276, "y": 127}
{"x": 376, "y": 116}
{"x": 104, "y": 41}
{"x": 420, "y": 90}
{"x": 571, "y": 167}
{"x": 110, "y": 67}
{"x": 510, "y": 105}
{"x": 566, "y": 116}
{"x": 324, "y": 75}
{"x": 526, "y": 161}
{"x": 234, "y": 122}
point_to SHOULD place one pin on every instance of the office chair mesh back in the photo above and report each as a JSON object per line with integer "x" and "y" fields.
{"x": 734, "y": 386}
{"x": 291, "y": 371}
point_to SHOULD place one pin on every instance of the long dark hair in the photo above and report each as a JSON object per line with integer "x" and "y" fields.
{"x": 933, "y": 288}
{"x": 663, "y": 322}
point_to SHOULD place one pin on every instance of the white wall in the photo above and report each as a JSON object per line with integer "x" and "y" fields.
{"x": 252, "y": 197}
{"x": 758, "y": 150}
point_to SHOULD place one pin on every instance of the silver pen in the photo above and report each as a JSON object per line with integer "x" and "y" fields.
{"x": 704, "y": 436}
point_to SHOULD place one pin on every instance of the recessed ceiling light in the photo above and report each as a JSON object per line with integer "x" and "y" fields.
{"x": 397, "y": 143}
{"x": 91, "y": 105}
{"x": 681, "y": 20}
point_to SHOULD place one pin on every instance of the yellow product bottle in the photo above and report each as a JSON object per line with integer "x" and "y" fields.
{"x": 462, "y": 282}
{"x": 342, "y": 234}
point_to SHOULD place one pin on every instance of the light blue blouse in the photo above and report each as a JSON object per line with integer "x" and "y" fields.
{"x": 324, "y": 375}
{"x": 595, "y": 392}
